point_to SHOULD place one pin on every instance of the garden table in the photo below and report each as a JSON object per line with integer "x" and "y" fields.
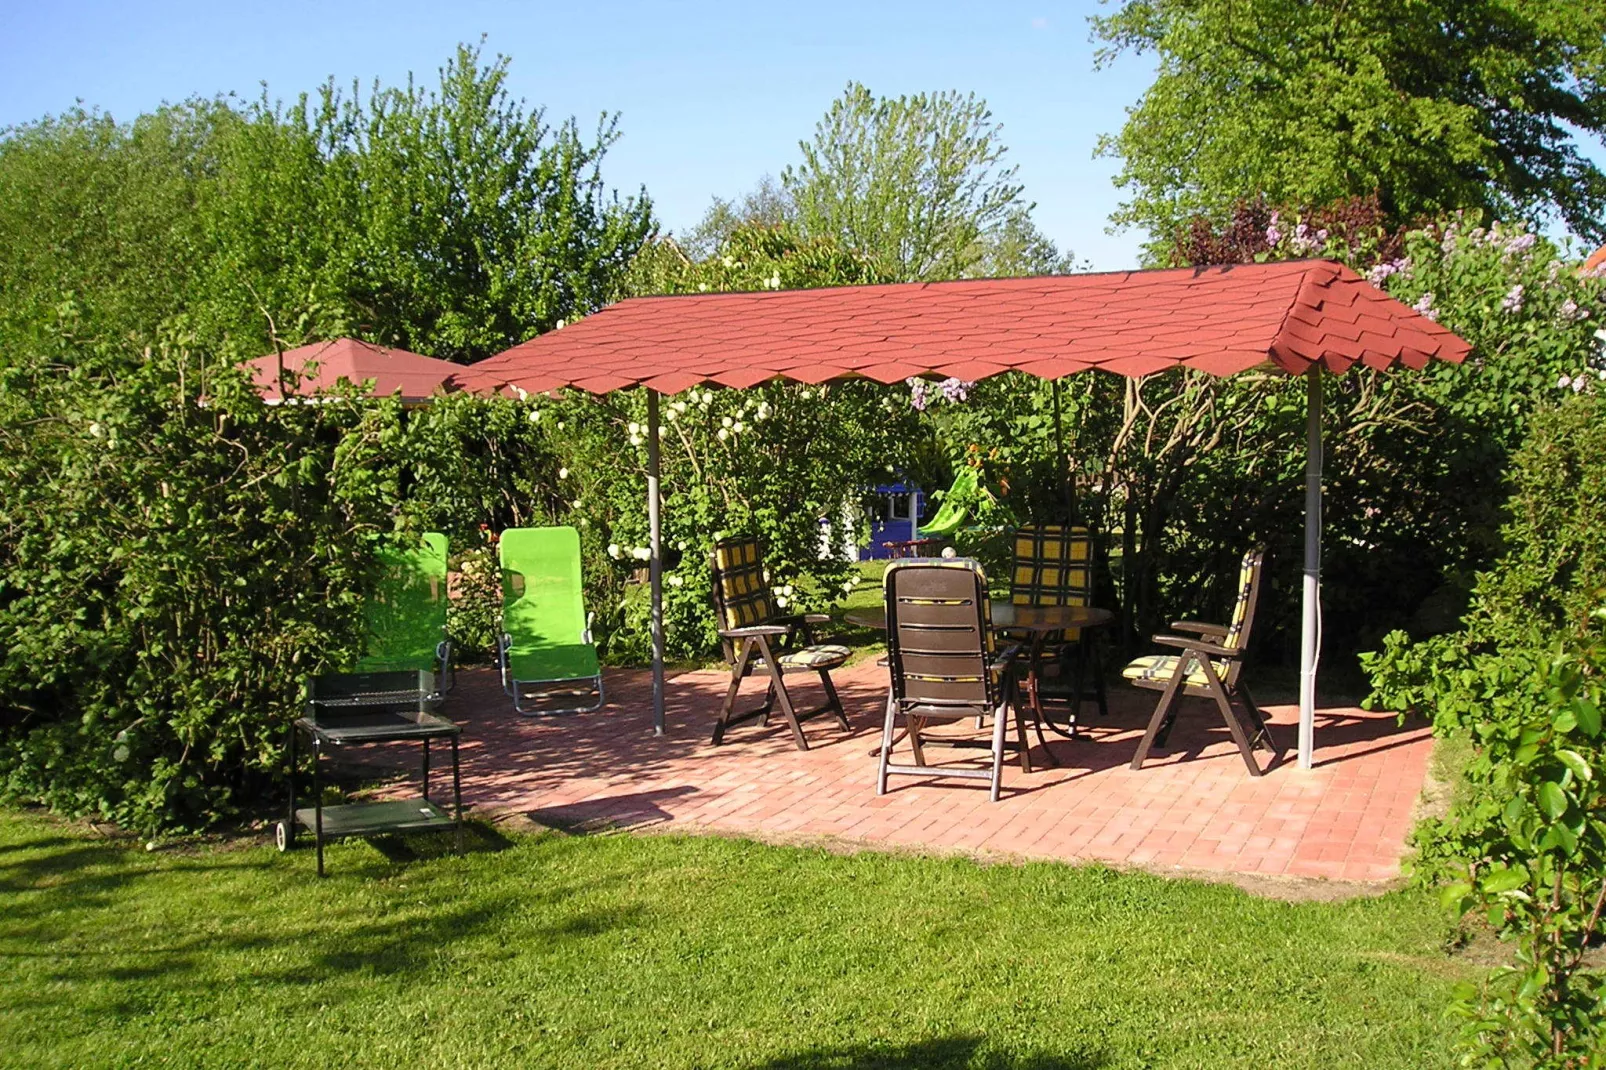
{"x": 1038, "y": 622}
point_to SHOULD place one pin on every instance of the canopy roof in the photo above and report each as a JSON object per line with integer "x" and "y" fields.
{"x": 392, "y": 370}
{"x": 1219, "y": 320}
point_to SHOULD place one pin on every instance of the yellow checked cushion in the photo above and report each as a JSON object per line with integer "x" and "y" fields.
{"x": 744, "y": 597}
{"x": 819, "y": 656}
{"x": 1240, "y": 608}
{"x": 1160, "y": 667}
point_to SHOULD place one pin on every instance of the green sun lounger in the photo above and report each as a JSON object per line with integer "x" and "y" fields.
{"x": 955, "y": 508}
{"x": 406, "y": 620}
{"x": 547, "y": 658}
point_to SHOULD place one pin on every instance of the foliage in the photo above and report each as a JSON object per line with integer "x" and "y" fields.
{"x": 1436, "y": 106}
{"x": 606, "y": 952}
{"x": 1526, "y": 844}
{"x": 919, "y": 185}
{"x": 175, "y": 556}
{"x": 454, "y": 221}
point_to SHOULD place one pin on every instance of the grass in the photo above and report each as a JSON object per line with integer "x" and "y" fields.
{"x": 621, "y": 951}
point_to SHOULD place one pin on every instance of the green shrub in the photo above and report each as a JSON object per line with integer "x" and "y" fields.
{"x": 174, "y": 557}
{"x": 1525, "y": 680}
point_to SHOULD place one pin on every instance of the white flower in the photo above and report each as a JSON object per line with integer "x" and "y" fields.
{"x": 535, "y": 416}
{"x": 676, "y": 581}
{"x": 662, "y": 430}
{"x": 635, "y": 428}
{"x": 95, "y": 430}
{"x": 702, "y": 287}
{"x": 780, "y": 600}
{"x": 673, "y": 416}
{"x": 560, "y": 325}
{"x": 738, "y": 427}
{"x": 560, "y": 425}
{"x": 724, "y": 421}
{"x": 677, "y": 406}
{"x": 635, "y": 440}
{"x": 563, "y": 473}
{"x": 575, "y": 504}
{"x": 585, "y": 522}
{"x": 1564, "y": 382}
{"x": 723, "y": 434}
{"x": 775, "y": 281}
{"x": 681, "y": 545}
{"x": 787, "y": 590}
{"x": 614, "y": 551}
{"x": 642, "y": 553}
{"x": 521, "y": 392}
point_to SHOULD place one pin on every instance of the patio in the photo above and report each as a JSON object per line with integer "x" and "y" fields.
{"x": 1193, "y": 809}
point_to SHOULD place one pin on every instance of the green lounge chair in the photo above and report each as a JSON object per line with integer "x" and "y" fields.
{"x": 955, "y": 508}
{"x": 406, "y": 621}
{"x": 546, "y": 652}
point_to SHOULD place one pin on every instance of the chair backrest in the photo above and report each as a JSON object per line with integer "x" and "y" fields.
{"x": 1053, "y": 566}
{"x": 742, "y": 595}
{"x": 543, "y": 596}
{"x": 939, "y": 637}
{"x": 1243, "y": 608}
{"x": 406, "y": 618}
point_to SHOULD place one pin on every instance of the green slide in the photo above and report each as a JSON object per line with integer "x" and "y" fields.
{"x": 955, "y": 508}
{"x": 406, "y": 620}
{"x": 546, "y": 653}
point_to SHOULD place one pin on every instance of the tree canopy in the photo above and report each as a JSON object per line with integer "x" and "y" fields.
{"x": 919, "y": 184}
{"x": 1434, "y": 105}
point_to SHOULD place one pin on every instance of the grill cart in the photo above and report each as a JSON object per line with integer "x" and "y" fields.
{"x": 371, "y": 707}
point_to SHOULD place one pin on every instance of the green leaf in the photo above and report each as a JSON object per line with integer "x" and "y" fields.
{"x": 1504, "y": 879}
{"x": 1576, "y": 762}
{"x": 1587, "y": 715}
{"x": 1552, "y": 800}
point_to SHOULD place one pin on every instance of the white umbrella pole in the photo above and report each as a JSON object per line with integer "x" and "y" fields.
{"x": 655, "y": 565}
{"x": 1310, "y": 623}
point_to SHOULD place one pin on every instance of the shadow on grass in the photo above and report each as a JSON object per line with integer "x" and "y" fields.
{"x": 478, "y": 838}
{"x": 942, "y": 1053}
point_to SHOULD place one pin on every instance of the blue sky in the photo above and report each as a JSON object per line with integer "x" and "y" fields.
{"x": 711, "y": 96}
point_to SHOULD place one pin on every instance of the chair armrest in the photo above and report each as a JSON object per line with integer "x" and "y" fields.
{"x": 754, "y": 630}
{"x": 1198, "y": 646}
{"x": 1201, "y": 629}
{"x": 816, "y": 618}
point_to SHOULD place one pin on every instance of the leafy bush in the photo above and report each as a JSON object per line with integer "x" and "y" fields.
{"x": 1526, "y": 679}
{"x": 175, "y": 557}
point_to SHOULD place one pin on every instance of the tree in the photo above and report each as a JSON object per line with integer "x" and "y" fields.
{"x": 766, "y": 204}
{"x": 1435, "y": 105}
{"x": 918, "y": 184}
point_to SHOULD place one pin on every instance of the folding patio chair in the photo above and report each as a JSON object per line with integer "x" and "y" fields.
{"x": 943, "y": 666}
{"x": 406, "y": 618}
{"x": 1210, "y": 666}
{"x": 545, "y": 650}
{"x": 1053, "y": 566}
{"x": 757, "y": 637}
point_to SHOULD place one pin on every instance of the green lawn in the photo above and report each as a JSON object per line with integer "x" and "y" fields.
{"x": 624, "y": 951}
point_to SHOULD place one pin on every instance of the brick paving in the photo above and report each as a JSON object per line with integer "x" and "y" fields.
{"x": 1195, "y": 808}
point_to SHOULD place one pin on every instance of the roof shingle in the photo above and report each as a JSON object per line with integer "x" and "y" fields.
{"x": 1218, "y": 320}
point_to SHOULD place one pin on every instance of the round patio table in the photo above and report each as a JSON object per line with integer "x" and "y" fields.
{"x": 1039, "y": 622}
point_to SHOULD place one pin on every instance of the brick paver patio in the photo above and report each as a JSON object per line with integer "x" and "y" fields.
{"x": 1196, "y": 808}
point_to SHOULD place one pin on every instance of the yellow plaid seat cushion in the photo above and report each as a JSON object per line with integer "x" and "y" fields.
{"x": 1052, "y": 567}
{"x": 819, "y": 656}
{"x": 744, "y": 594}
{"x": 1158, "y": 668}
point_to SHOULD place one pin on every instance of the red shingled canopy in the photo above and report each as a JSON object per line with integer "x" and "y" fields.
{"x": 1298, "y": 316}
{"x": 321, "y": 365}
{"x": 1219, "y": 320}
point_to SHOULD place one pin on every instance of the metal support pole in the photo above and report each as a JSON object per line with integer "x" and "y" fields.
{"x": 1059, "y": 455}
{"x": 655, "y": 566}
{"x": 1311, "y": 615}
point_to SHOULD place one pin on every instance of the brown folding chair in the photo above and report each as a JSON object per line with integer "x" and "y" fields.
{"x": 1210, "y": 666}
{"x": 757, "y": 637}
{"x": 1053, "y": 566}
{"x": 943, "y": 665}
